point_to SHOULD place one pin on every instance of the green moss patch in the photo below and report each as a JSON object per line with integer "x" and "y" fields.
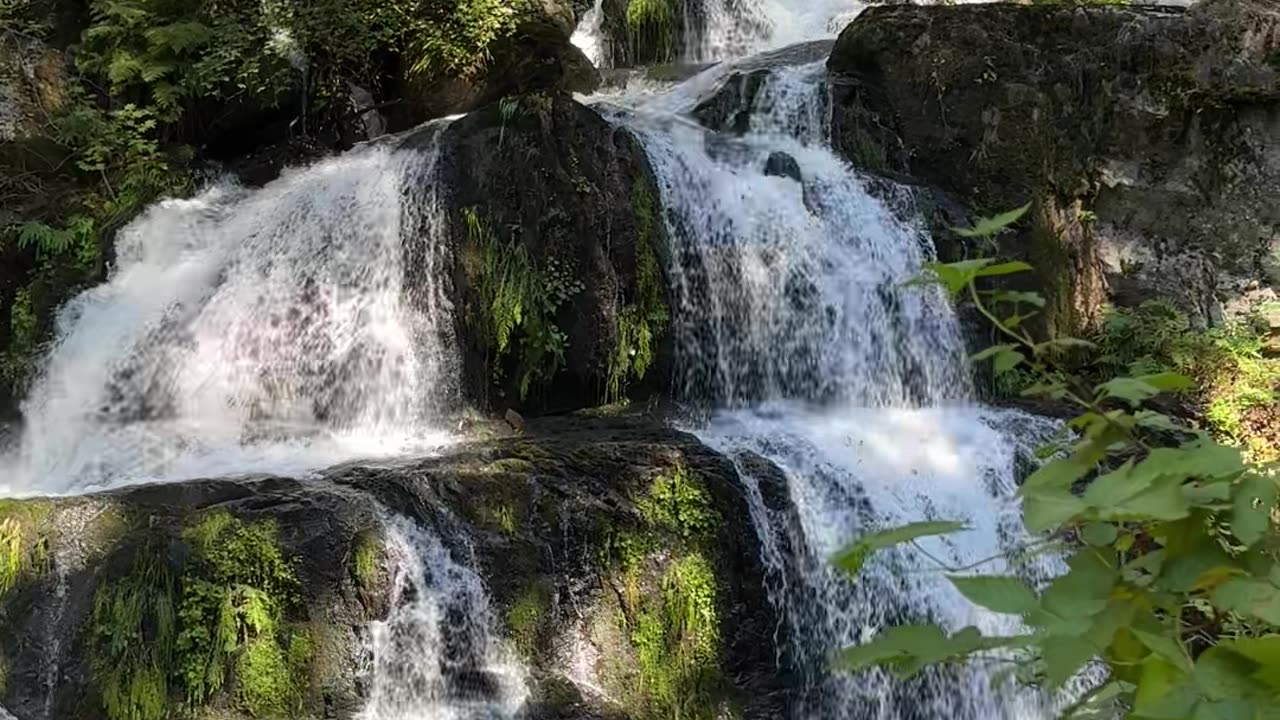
{"x": 366, "y": 560}
{"x": 169, "y": 634}
{"x": 527, "y": 619}
{"x": 665, "y": 577}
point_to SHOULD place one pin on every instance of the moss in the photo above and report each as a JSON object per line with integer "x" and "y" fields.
{"x": 1237, "y": 382}
{"x": 236, "y": 591}
{"x": 679, "y": 502}
{"x": 366, "y": 560}
{"x": 270, "y": 679}
{"x": 677, "y": 643}
{"x": 4, "y": 675}
{"x": 527, "y": 619}
{"x": 666, "y": 584}
{"x": 644, "y": 319}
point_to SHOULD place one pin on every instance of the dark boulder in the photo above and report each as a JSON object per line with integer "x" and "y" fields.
{"x": 728, "y": 108}
{"x": 555, "y": 209}
{"x": 780, "y": 164}
{"x": 1143, "y": 135}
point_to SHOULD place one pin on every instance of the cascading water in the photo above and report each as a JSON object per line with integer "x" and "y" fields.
{"x": 253, "y": 330}
{"x": 797, "y": 327}
{"x": 436, "y": 656}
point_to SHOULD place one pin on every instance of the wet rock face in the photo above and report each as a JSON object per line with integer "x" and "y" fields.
{"x": 589, "y": 533}
{"x": 548, "y": 180}
{"x": 1146, "y": 135}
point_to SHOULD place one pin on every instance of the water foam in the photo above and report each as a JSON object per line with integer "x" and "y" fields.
{"x": 252, "y": 331}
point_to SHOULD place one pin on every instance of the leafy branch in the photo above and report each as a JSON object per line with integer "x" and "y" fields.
{"x": 1173, "y": 582}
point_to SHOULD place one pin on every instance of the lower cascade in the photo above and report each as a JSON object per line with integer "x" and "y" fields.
{"x": 296, "y": 349}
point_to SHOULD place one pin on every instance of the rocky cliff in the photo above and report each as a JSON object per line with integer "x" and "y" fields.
{"x": 1145, "y": 136}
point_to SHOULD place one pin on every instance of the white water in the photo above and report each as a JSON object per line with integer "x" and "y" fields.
{"x": 247, "y": 331}
{"x": 436, "y": 657}
{"x": 730, "y": 29}
{"x": 796, "y": 327}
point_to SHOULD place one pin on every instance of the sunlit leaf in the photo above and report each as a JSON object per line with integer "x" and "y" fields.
{"x": 1099, "y": 534}
{"x": 1002, "y": 594}
{"x": 855, "y": 556}
{"x": 1253, "y": 598}
{"x": 986, "y": 227}
{"x": 992, "y": 352}
{"x": 1006, "y": 361}
{"x": 1254, "y": 500}
{"x": 1064, "y": 656}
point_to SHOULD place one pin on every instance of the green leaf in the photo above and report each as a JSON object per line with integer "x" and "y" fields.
{"x": 1099, "y": 534}
{"x": 1002, "y": 594}
{"x": 1224, "y": 675}
{"x": 1014, "y": 297}
{"x": 1164, "y": 500}
{"x": 1164, "y": 646}
{"x": 992, "y": 352}
{"x": 852, "y": 558}
{"x": 1163, "y": 692}
{"x": 1006, "y": 361}
{"x": 1005, "y": 268}
{"x": 909, "y": 648}
{"x": 1064, "y": 656}
{"x": 986, "y": 227}
{"x": 1168, "y": 382}
{"x": 1055, "y": 474}
{"x": 1047, "y": 509}
{"x": 1131, "y": 390}
{"x": 1251, "y": 509}
{"x": 1253, "y": 598}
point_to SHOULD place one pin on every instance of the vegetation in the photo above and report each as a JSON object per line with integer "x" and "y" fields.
{"x": 653, "y": 24}
{"x": 644, "y": 319}
{"x": 23, "y": 541}
{"x": 154, "y": 78}
{"x": 366, "y": 561}
{"x": 1236, "y": 383}
{"x": 527, "y": 618}
{"x": 674, "y": 628}
{"x": 221, "y": 615}
{"x": 518, "y": 301}
{"x": 1169, "y": 538}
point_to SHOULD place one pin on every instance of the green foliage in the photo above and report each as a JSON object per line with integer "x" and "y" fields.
{"x": 222, "y": 614}
{"x": 12, "y": 553}
{"x": 527, "y": 619}
{"x": 1236, "y": 381}
{"x": 642, "y": 321}
{"x": 518, "y": 300}
{"x": 134, "y": 639}
{"x": 855, "y": 556}
{"x": 677, "y": 642}
{"x": 270, "y": 679}
{"x": 679, "y": 503}
{"x": 1173, "y": 579}
{"x": 235, "y": 592}
{"x": 674, "y": 628}
{"x": 366, "y": 560}
{"x": 652, "y": 24}
{"x": 23, "y": 544}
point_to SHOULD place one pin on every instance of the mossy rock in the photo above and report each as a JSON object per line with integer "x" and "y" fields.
{"x": 1139, "y": 133}
{"x": 554, "y": 212}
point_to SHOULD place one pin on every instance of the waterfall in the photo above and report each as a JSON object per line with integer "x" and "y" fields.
{"x": 254, "y": 330}
{"x": 839, "y": 389}
{"x": 436, "y": 656}
{"x": 589, "y": 35}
